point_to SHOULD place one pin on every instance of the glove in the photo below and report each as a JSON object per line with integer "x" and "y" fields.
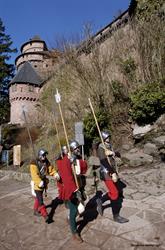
{"x": 114, "y": 177}
{"x": 57, "y": 176}
{"x": 72, "y": 158}
{"x": 109, "y": 152}
{"x": 41, "y": 184}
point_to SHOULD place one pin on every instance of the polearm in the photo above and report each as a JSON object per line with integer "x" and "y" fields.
{"x": 57, "y": 133}
{"x": 58, "y": 100}
{"x": 98, "y": 128}
{"x": 28, "y": 130}
{"x": 30, "y": 138}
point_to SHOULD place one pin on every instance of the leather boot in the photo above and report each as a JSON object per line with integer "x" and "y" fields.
{"x": 47, "y": 219}
{"x": 119, "y": 218}
{"x": 77, "y": 237}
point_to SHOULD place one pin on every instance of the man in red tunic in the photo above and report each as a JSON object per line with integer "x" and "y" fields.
{"x": 67, "y": 191}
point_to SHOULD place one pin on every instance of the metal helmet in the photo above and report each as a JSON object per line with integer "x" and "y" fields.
{"x": 73, "y": 145}
{"x": 105, "y": 134}
{"x": 42, "y": 152}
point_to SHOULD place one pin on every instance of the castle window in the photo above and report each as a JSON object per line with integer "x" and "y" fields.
{"x": 31, "y": 88}
{"x": 35, "y": 66}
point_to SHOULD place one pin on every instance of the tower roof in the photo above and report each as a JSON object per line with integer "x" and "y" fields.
{"x": 27, "y": 74}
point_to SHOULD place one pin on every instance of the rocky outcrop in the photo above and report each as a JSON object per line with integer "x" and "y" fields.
{"x": 136, "y": 159}
{"x": 149, "y": 145}
{"x": 140, "y": 131}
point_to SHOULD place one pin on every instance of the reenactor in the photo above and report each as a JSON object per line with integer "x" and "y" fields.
{"x": 108, "y": 173}
{"x": 39, "y": 169}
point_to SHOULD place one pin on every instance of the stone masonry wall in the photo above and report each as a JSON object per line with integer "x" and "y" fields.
{"x": 23, "y": 95}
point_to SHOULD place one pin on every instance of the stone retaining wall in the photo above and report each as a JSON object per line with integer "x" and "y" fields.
{"x": 19, "y": 176}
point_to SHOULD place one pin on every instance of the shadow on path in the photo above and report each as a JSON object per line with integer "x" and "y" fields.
{"x": 90, "y": 212}
{"x": 53, "y": 205}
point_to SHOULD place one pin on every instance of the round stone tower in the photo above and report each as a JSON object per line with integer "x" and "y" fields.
{"x": 36, "y": 52}
{"x": 24, "y": 95}
{"x": 34, "y": 66}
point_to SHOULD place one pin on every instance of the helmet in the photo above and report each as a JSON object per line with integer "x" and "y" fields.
{"x": 42, "y": 152}
{"x": 105, "y": 135}
{"x": 73, "y": 145}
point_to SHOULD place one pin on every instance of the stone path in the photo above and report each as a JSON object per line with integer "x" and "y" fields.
{"x": 144, "y": 205}
{"x": 143, "y": 182}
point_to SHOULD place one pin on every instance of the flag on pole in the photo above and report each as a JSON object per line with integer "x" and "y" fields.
{"x": 57, "y": 97}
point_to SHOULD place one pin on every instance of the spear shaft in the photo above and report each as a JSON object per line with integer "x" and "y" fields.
{"x": 58, "y": 100}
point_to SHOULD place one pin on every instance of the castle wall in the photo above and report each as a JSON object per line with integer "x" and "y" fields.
{"x": 109, "y": 49}
{"x": 115, "y": 44}
{"x": 43, "y": 66}
{"x": 28, "y": 57}
{"x": 23, "y": 95}
{"x": 16, "y": 115}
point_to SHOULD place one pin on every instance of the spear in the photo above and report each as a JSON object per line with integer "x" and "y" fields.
{"x": 58, "y": 101}
{"x": 98, "y": 128}
{"x": 28, "y": 130}
{"x": 30, "y": 138}
{"x": 57, "y": 133}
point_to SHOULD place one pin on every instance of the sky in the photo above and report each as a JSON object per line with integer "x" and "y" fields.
{"x": 54, "y": 19}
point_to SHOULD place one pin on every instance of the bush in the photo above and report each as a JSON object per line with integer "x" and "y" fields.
{"x": 147, "y": 103}
{"x": 119, "y": 92}
{"x": 128, "y": 66}
{"x": 90, "y": 129}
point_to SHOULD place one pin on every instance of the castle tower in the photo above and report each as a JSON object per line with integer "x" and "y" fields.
{"x": 34, "y": 66}
{"x": 24, "y": 92}
{"x": 36, "y": 52}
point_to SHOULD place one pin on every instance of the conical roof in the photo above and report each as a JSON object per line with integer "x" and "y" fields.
{"x": 27, "y": 74}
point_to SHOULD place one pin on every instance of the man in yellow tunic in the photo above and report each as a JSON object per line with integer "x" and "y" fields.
{"x": 39, "y": 168}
